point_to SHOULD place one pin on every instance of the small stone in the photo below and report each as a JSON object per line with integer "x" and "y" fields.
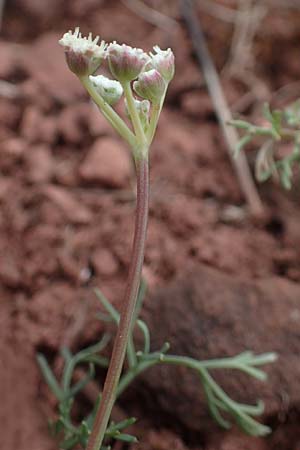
{"x": 208, "y": 314}
{"x": 12, "y": 153}
{"x": 223, "y": 440}
{"x": 161, "y": 440}
{"x": 106, "y": 163}
{"x": 10, "y": 113}
{"x": 9, "y": 272}
{"x": 40, "y": 164}
{"x": 72, "y": 121}
{"x": 14, "y": 148}
{"x": 104, "y": 262}
{"x": 72, "y": 208}
{"x": 8, "y": 59}
{"x": 36, "y": 127}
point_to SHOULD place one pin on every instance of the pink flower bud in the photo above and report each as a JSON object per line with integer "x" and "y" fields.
{"x": 150, "y": 85}
{"x": 164, "y": 62}
{"x": 83, "y": 55}
{"x": 126, "y": 63}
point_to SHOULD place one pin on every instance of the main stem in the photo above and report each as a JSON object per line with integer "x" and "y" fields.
{"x": 127, "y": 315}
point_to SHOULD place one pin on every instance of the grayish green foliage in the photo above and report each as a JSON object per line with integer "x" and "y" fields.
{"x": 137, "y": 362}
{"x": 282, "y": 126}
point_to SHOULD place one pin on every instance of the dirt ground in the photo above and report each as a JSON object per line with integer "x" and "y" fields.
{"x": 67, "y": 198}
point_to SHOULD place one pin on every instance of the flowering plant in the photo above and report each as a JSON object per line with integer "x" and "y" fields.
{"x": 148, "y": 76}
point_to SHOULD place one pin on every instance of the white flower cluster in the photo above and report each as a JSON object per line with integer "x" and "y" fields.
{"x": 152, "y": 72}
{"x": 83, "y": 54}
{"x": 76, "y": 43}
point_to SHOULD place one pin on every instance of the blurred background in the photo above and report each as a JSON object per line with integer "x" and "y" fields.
{"x": 67, "y": 208}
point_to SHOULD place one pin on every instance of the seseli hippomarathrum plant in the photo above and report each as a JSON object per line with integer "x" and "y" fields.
{"x": 141, "y": 80}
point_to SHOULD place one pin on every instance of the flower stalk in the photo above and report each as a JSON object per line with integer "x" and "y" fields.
{"x": 127, "y": 315}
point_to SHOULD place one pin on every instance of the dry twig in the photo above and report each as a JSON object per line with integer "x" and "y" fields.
{"x": 2, "y": 4}
{"x": 289, "y": 4}
{"x": 222, "y": 110}
{"x": 227, "y": 14}
{"x": 248, "y": 20}
{"x": 151, "y": 15}
{"x": 217, "y": 10}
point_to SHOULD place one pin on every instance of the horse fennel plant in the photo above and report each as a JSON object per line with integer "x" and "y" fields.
{"x": 142, "y": 79}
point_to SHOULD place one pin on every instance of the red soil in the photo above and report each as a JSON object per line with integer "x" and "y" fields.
{"x": 67, "y": 205}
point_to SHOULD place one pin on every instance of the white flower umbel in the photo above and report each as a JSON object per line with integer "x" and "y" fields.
{"x": 164, "y": 62}
{"x": 125, "y": 62}
{"x": 110, "y": 90}
{"x": 83, "y": 54}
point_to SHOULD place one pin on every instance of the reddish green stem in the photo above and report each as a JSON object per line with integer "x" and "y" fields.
{"x": 128, "y": 308}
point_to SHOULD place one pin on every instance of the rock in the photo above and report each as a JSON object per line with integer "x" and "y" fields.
{"x": 68, "y": 204}
{"x": 9, "y": 271}
{"x": 12, "y": 153}
{"x": 8, "y": 59}
{"x": 72, "y": 121}
{"x": 106, "y": 163}
{"x": 160, "y": 440}
{"x": 104, "y": 262}
{"x": 36, "y": 127}
{"x": 37, "y": 96}
{"x": 207, "y": 314}
{"x": 10, "y": 113}
{"x": 40, "y": 164}
{"x": 235, "y": 441}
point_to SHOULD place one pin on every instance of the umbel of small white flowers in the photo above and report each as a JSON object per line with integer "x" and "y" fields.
{"x": 150, "y": 74}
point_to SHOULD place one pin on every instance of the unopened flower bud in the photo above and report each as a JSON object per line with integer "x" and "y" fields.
{"x": 110, "y": 90}
{"x": 83, "y": 54}
{"x": 143, "y": 109}
{"x": 150, "y": 85}
{"x": 126, "y": 63}
{"x": 164, "y": 62}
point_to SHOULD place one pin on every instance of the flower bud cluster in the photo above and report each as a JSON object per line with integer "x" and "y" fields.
{"x": 148, "y": 74}
{"x": 110, "y": 90}
{"x": 84, "y": 56}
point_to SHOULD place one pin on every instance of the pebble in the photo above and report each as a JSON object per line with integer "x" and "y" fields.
{"x": 107, "y": 163}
